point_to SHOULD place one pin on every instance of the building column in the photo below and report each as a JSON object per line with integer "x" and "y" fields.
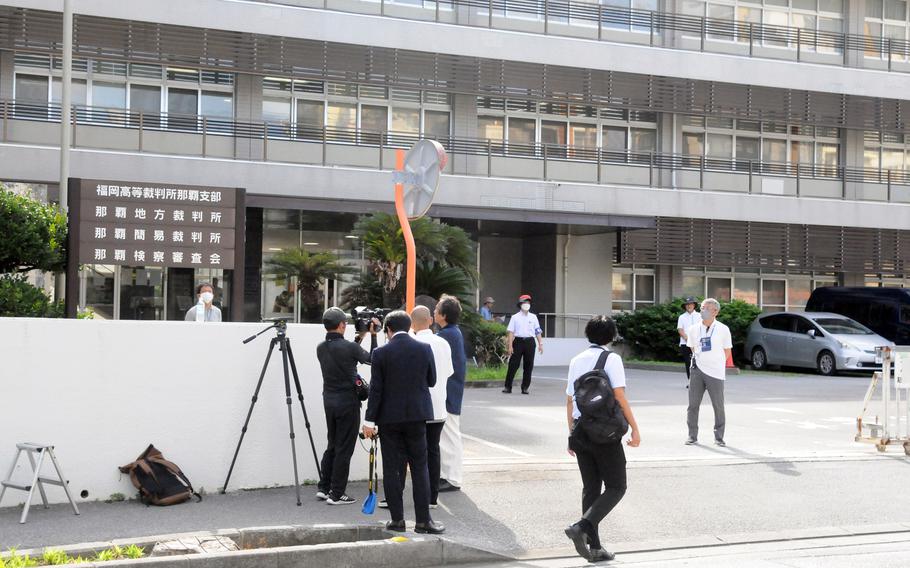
{"x": 248, "y": 108}
{"x": 464, "y": 125}
{"x": 6, "y": 74}
{"x": 853, "y": 149}
{"x": 854, "y": 23}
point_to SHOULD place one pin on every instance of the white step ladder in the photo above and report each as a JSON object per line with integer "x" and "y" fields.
{"x": 38, "y": 481}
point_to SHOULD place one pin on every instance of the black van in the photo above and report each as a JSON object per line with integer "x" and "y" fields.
{"x": 886, "y": 311}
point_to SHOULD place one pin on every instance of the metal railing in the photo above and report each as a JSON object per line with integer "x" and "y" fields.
{"x": 486, "y": 153}
{"x": 563, "y": 325}
{"x": 556, "y": 15}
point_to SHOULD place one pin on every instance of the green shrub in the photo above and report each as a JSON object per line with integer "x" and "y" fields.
{"x": 485, "y": 339}
{"x": 651, "y": 332}
{"x": 34, "y": 234}
{"x": 18, "y": 298}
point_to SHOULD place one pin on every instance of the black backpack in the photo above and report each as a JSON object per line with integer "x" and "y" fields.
{"x": 159, "y": 481}
{"x": 602, "y": 421}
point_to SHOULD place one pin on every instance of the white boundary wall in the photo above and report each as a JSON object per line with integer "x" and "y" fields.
{"x": 101, "y": 391}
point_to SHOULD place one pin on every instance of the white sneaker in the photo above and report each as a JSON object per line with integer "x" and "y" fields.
{"x": 434, "y": 505}
{"x": 383, "y": 504}
{"x": 322, "y": 496}
{"x": 343, "y": 500}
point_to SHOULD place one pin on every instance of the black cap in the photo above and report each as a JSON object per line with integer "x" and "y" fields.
{"x": 690, "y": 300}
{"x": 333, "y": 317}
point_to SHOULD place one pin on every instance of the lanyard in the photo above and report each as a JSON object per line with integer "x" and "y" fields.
{"x": 710, "y": 327}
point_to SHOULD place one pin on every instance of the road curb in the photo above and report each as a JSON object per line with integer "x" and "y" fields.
{"x": 297, "y": 546}
{"x": 720, "y": 541}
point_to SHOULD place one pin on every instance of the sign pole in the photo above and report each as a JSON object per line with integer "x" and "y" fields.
{"x": 60, "y": 285}
{"x": 411, "y": 271}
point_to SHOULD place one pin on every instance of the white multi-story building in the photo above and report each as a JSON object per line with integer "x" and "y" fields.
{"x": 604, "y": 155}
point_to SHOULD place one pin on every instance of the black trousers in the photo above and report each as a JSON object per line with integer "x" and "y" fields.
{"x": 343, "y": 423}
{"x": 522, "y": 348}
{"x": 603, "y": 476}
{"x": 434, "y": 463}
{"x": 686, "y": 352}
{"x": 405, "y": 445}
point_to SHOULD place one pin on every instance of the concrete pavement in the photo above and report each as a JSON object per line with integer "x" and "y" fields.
{"x": 790, "y": 465}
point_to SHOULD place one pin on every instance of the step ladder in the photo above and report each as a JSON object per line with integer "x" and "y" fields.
{"x": 38, "y": 481}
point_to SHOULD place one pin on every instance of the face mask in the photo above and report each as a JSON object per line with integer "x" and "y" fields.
{"x": 207, "y": 297}
{"x": 526, "y": 307}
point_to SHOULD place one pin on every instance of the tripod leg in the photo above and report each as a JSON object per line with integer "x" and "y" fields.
{"x": 287, "y": 393}
{"x": 249, "y": 414}
{"x": 306, "y": 418}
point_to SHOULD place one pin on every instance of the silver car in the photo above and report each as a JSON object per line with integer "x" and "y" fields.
{"x": 824, "y": 341}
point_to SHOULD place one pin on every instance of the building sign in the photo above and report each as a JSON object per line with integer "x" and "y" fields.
{"x": 143, "y": 224}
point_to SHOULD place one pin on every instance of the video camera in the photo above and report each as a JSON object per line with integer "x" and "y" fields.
{"x": 363, "y": 315}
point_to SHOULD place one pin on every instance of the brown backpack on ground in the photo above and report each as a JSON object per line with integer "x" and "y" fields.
{"x": 159, "y": 481}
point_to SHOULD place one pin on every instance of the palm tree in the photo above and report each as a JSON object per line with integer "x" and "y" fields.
{"x": 311, "y": 269}
{"x": 445, "y": 256}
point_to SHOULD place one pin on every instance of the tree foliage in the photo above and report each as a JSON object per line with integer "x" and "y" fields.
{"x": 486, "y": 339}
{"x": 445, "y": 258}
{"x": 34, "y": 235}
{"x": 311, "y": 269}
{"x": 651, "y": 331}
{"x": 18, "y": 298}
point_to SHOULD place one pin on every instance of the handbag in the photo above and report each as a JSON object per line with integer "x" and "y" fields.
{"x": 361, "y": 388}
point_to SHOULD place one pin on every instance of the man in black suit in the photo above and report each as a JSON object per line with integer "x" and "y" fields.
{"x": 402, "y": 372}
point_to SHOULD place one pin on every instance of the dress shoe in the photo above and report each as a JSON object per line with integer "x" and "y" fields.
{"x": 444, "y": 486}
{"x": 579, "y": 539}
{"x": 600, "y": 555}
{"x": 690, "y": 441}
{"x": 507, "y": 391}
{"x": 431, "y": 527}
{"x": 397, "y": 526}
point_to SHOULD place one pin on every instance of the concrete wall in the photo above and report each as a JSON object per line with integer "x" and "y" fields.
{"x": 538, "y": 272}
{"x": 584, "y": 273}
{"x": 500, "y": 271}
{"x": 113, "y": 387}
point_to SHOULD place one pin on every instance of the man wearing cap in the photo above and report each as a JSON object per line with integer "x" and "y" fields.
{"x": 686, "y": 320}
{"x": 486, "y": 310}
{"x": 338, "y": 359}
{"x": 523, "y": 330}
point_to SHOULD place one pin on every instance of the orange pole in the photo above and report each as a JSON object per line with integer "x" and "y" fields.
{"x": 411, "y": 275}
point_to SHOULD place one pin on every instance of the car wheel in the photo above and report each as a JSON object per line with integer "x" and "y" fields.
{"x": 759, "y": 359}
{"x": 826, "y": 364}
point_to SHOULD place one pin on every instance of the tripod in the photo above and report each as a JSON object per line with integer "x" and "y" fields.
{"x": 287, "y": 357}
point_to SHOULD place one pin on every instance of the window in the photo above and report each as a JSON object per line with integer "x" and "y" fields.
{"x": 774, "y": 295}
{"x": 886, "y": 20}
{"x": 182, "y": 108}
{"x": 31, "y": 89}
{"x": 217, "y": 104}
{"x": 746, "y": 289}
{"x": 521, "y": 136}
{"x": 341, "y": 120}
{"x": 886, "y": 151}
{"x": 373, "y": 121}
{"x": 719, "y": 288}
{"x": 310, "y": 119}
{"x": 614, "y": 138}
{"x": 276, "y": 113}
{"x": 406, "y": 120}
{"x": 633, "y": 287}
{"x": 437, "y": 124}
{"x": 490, "y": 128}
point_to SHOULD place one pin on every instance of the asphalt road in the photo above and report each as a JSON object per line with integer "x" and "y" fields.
{"x": 790, "y": 465}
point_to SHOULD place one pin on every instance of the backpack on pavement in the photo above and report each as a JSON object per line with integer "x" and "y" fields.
{"x": 602, "y": 421}
{"x": 159, "y": 481}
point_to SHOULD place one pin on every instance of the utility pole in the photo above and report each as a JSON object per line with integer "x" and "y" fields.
{"x": 65, "y": 126}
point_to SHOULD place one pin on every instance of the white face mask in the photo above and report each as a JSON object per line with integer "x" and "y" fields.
{"x": 526, "y": 307}
{"x": 207, "y": 297}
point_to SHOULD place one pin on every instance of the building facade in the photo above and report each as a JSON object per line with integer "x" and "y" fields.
{"x": 604, "y": 156}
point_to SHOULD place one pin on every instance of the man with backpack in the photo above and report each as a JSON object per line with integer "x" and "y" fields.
{"x": 599, "y": 415}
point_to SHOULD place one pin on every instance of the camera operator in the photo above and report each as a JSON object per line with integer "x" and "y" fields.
{"x": 338, "y": 359}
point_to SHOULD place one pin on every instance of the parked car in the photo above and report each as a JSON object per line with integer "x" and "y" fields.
{"x": 886, "y": 311}
{"x": 825, "y": 341}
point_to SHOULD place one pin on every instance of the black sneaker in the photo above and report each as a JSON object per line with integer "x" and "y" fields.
{"x": 690, "y": 441}
{"x": 343, "y": 500}
{"x": 322, "y": 495}
{"x": 383, "y": 504}
{"x": 600, "y": 555}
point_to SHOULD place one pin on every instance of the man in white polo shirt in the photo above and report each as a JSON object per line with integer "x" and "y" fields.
{"x": 686, "y": 320}
{"x": 711, "y": 344}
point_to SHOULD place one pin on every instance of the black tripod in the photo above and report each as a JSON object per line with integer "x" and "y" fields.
{"x": 287, "y": 356}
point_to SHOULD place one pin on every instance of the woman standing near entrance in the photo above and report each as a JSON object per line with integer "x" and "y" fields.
{"x": 523, "y": 330}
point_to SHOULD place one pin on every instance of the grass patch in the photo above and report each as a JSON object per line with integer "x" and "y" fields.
{"x": 486, "y": 374}
{"x": 52, "y": 557}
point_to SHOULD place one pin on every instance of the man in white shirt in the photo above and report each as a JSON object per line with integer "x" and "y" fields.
{"x": 711, "y": 345}
{"x": 421, "y": 320}
{"x": 523, "y": 329}
{"x": 686, "y": 320}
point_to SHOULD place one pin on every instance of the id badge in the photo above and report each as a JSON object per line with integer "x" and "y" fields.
{"x": 705, "y": 344}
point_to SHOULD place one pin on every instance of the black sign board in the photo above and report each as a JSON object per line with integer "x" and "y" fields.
{"x": 124, "y": 223}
